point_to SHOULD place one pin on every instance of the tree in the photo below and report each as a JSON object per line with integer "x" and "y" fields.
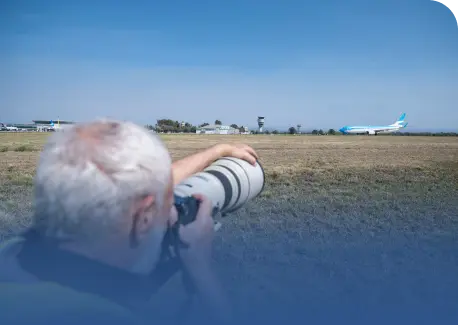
{"x": 203, "y": 124}
{"x": 332, "y": 132}
{"x": 166, "y": 122}
{"x": 218, "y": 122}
{"x": 315, "y": 132}
{"x": 234, "y": 126}
{"x": 275, "y": 132}
{"x": 267, "y": 132}
{"x": 292, "y": 130}
{"x": 321, "y": 132}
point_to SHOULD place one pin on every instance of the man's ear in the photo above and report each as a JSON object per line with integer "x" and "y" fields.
{"x": 143, "y": 215}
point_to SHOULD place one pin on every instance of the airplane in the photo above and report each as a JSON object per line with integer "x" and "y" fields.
{"x": 5, "y": 127}
{"x": 50, "y": 127}
{"x": 58, "y": 126}
{"x": 11, "y": 128}
{"x": 54, "y": 127}
{"x": 374, "y": 130}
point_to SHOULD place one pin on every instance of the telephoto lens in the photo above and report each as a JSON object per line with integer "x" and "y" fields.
{"x": 229, "y": 183}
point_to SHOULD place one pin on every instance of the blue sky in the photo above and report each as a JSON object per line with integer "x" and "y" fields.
{"x": 320, "y": 63}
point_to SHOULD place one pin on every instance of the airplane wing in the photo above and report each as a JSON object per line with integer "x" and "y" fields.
{"x": 382, "y": 129}
{"x": 390, "y": 129}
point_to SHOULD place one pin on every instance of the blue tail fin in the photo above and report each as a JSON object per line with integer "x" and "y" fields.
{"x": 401, "y": 118}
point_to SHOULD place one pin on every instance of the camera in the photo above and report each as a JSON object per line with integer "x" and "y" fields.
{"x": 229, "y": 183}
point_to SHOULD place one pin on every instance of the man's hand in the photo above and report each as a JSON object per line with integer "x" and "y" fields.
{"x": 196, "y": 259}
{"x": 198, "y": 235}
{"x": 197, "y": 162}
{"x": 241, "y": 151}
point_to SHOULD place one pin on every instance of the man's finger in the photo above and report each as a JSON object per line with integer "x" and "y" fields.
{"x": 251, "y": 159}
{"x": 247, "y": 156}
{"x": 250, "y": 150}
{"x": 205, "y": 207}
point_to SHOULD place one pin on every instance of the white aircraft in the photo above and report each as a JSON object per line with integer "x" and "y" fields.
{"x": 5, "y": 127}
{"x": 58, "y": 126}
{"x": 374, "y": 130}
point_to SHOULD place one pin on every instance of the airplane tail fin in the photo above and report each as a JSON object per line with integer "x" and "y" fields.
{"x": 52, "y": 123}
{"x": 400, "y": 120}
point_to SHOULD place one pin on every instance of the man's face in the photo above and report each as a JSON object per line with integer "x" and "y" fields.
{"x": 151, "y": 244}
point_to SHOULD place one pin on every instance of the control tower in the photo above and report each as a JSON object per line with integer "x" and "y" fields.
{"x": 260, "y": 123}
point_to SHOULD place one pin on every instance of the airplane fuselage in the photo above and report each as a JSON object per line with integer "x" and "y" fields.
{"x": 372, "y": 130}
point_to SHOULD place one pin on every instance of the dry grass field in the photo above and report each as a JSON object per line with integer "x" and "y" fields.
{"x": 339, "y": 217}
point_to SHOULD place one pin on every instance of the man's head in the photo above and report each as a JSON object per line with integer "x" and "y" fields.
{"x": 106, "y": 187}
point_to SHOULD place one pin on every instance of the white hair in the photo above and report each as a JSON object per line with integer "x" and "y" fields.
{"x": 90, "y": 174}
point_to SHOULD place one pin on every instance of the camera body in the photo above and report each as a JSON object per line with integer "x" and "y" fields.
{"x": 187, "y": 208}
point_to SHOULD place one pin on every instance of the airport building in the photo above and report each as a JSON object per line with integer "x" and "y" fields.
{"x": 217, "y": 129}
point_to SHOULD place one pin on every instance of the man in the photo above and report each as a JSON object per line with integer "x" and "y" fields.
{"x": 103, "y": 202}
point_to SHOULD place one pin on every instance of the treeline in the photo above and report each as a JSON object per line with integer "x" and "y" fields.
{"x": 171, "y": 126}
{"x": 292, "y": 130}
{"x": 427, "y": 134}
{"x": 167, "y": 125}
